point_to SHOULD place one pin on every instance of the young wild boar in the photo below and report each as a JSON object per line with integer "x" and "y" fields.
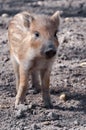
{"x": 33, "y": 45}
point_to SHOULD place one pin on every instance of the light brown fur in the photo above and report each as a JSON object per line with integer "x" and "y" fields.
{"x": 25, "y": 49}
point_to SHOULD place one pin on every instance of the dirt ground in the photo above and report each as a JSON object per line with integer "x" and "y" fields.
{"x": 68, "y": 73}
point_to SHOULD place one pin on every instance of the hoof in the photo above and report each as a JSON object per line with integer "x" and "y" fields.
{"x": 48, "y": 105}
{"x": 36, "y": 89}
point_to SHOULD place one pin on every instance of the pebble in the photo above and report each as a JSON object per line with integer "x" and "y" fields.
{"x": 76, "y": 122}
{"x": 40, "y": 3}
{"x": 63, "y": 97}
{"x": 4, "y": 15}
{"x": 46, "y": 123}
{"x": 68, "y": 19}
{"x": 4, "y": 106}
{"x": 35, "y": 127}
{"x": 31, "y": 106}
{"x": 6, "y": 59}
{"x": 33, "y": 91}
{"x": 53, "y": 115}
{"x": 4, "y": 42}
{"x": 83, "y": 64}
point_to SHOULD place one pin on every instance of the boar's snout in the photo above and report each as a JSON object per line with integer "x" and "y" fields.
{"x": 49, "y": 51}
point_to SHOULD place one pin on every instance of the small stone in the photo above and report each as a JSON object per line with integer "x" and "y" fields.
{"x": 63, "y": 97}
{"x": 64, "y": 128}
{"x": 76, "y": 122}
{"x": 83, "y": 64}
{"x": 35, "y": 127}
{"x": 4, "y": 106}
{"x": 67, "y": 19}
{"x": 33, "y": 91}
{"x": 52, "y": 115}
{"x": 4, "y": 42}
{"x": 46, "y": 123}
{"x": 4, "y": 15}
{"x": 40, "y": 3}
{"x": 6, "y": 59}
{"x": 31, "y": 106}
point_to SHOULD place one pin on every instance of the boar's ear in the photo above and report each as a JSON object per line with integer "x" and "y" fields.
{"x": 56, "y": 18}
{"x": 28, "y": 18}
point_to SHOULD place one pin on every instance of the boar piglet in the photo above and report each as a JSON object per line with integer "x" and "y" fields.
{"x": 33, "y": 45}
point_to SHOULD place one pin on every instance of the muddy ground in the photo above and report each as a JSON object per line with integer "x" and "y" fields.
{"x": 68, "y": 73}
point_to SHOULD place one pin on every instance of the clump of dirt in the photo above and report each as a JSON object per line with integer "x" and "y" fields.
{"x": 68, "y": 74}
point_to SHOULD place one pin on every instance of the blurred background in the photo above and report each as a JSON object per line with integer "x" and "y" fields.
{"x": 67, "y": 7}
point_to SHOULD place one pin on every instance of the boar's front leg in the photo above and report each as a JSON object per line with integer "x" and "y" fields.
{"x": 16, "y": 71}
{"x": 23, "y": 81}
{"x": 45, "y": 77}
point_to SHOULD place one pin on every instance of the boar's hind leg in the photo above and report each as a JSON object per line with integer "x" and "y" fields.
{"x": 45, "y": 77}
{"x": 36, "y": 81}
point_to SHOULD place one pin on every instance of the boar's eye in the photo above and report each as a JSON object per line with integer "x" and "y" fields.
{"x": 55, "y": 34}
{"x": 36, "y": 34}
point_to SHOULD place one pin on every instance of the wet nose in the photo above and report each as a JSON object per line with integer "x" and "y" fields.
{"x": 50, "y": 52}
